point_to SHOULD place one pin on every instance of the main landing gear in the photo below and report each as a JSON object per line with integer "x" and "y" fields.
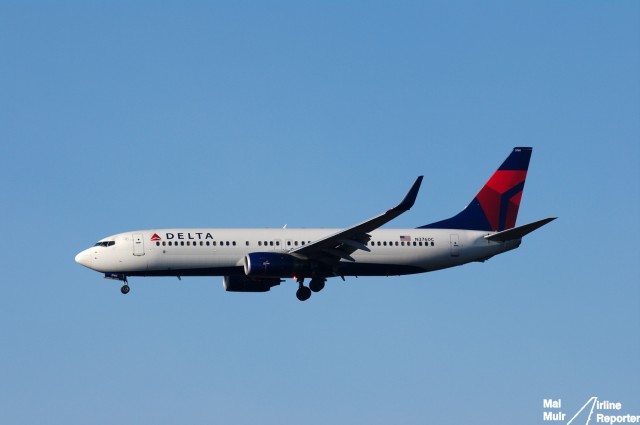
{"x": 316, "y": 285}
{"x": 303, "y": 293}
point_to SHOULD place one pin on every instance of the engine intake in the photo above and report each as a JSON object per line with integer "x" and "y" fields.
{"x": 273, "y": 264}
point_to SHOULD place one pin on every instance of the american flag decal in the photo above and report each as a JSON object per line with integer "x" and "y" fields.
{"x": 405, "y": 238}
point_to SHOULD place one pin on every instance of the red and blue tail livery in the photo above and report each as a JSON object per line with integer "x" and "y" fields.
{"x": 256, "y": 260}
{"x": 495, "y": 207}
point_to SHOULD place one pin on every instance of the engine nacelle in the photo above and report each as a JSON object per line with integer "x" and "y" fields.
{"x": 247, "y": 284}
{"x": 273, "y": 264}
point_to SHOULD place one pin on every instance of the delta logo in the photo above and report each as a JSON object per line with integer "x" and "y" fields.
{"x": 155, "y": 237}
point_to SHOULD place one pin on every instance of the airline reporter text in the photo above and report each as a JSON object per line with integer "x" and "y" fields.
{"x": 617, "y": 419}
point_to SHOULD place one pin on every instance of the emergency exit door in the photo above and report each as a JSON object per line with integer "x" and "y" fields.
{"x": 455, "y": 245}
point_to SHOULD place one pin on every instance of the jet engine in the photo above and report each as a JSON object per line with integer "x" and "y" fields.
{"x": 247, "y": 284}
{"x": 273, "y": 264}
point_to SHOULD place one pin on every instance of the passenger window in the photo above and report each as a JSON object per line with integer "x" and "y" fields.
{"x": 270, "y": 243}
{"x": 247, "y": 243}
{"x": 182, "y": 243}
{"x": 164, "y": 243}
{"x": 207, "y": 243}
{"x": 234, "y": 243}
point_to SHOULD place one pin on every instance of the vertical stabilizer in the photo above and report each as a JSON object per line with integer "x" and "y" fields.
{"x": 495, "y": 207}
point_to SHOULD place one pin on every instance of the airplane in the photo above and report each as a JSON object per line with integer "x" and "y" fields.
{"x": 256, "y": 260}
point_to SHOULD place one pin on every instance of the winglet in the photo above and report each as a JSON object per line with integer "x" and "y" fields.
{"x": 410, "y": 197}
{"x": 358, "y": 234}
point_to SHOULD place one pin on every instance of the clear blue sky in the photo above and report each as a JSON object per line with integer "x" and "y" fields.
{"x": 117, "y": 116}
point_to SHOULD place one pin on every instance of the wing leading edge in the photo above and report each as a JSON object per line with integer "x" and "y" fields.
{"x": 342, "y": 244}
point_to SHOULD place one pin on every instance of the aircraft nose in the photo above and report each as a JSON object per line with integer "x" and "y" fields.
{"x": 84, "y": 258}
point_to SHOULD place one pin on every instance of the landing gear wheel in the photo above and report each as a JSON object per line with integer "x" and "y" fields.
{"x": 125, "y": 289}
{"x": 303, "y": 293}
{"x": 317, "y": 284}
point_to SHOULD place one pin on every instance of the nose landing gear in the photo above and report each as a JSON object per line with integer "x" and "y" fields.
{"x": 121, "y": 277}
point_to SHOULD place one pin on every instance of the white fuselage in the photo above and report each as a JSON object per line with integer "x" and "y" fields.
{"x": 255, "y": 260}
{"x": 221, "y": 252}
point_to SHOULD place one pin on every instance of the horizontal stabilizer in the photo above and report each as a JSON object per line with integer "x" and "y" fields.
{"x": 518, "y": 232}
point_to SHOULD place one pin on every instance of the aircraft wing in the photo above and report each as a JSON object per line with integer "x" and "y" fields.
{"x": 341, "y": 245}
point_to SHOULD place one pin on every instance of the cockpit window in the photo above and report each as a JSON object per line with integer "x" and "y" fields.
{"x": 105, "y": 243}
